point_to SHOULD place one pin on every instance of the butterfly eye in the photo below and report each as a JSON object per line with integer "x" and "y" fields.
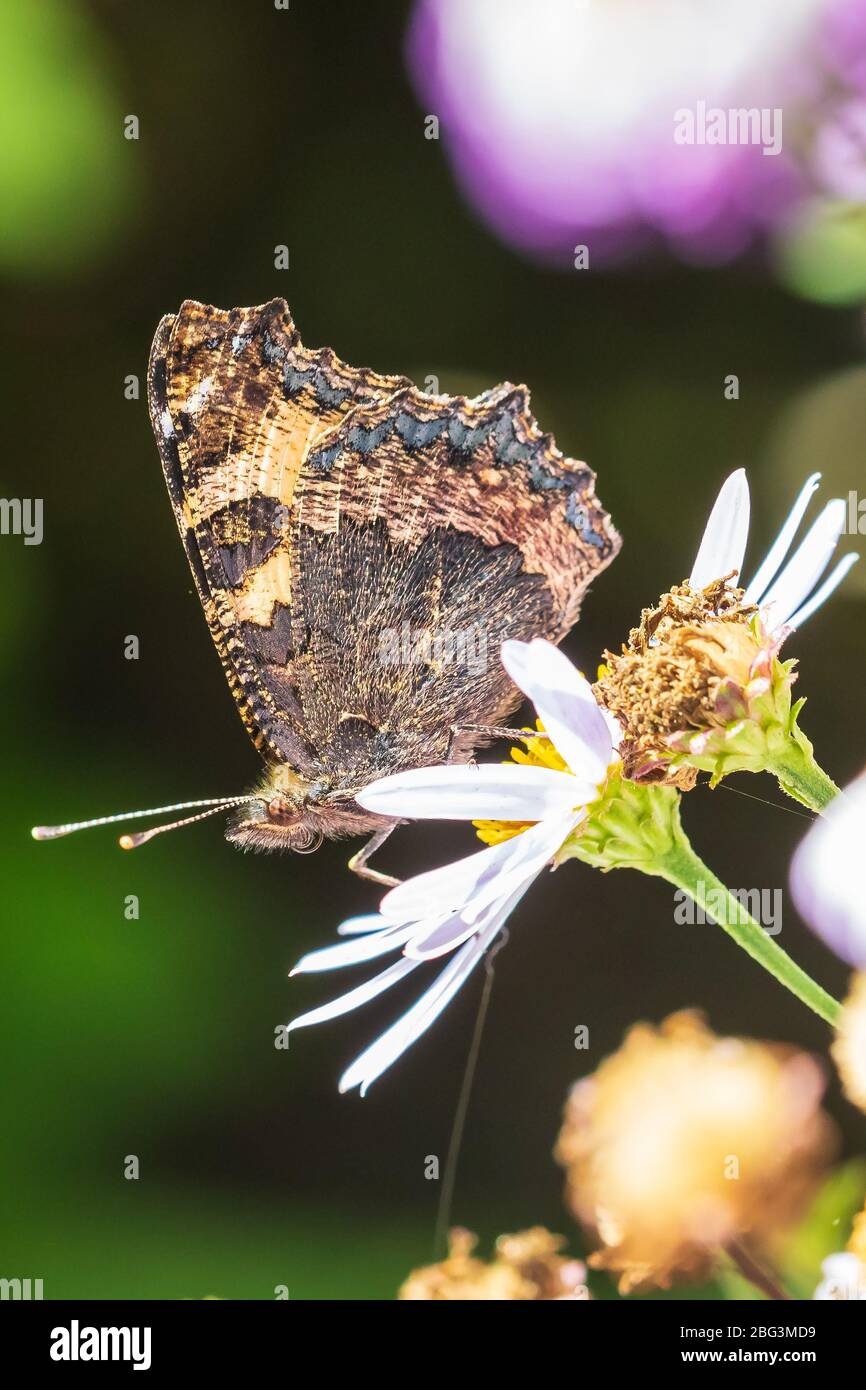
{"x": 279, "y": 808}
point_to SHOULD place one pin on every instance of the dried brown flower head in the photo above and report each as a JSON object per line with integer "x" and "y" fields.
{"x": 697, "y": 664}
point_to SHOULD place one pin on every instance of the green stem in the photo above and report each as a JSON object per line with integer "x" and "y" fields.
{"x": 635, "y": 825}
{"x": 682, "y": 867}
{"x": 801, "y": 777}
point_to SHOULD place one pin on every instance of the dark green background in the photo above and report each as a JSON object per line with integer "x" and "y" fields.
{"x": 155, "y": 1037}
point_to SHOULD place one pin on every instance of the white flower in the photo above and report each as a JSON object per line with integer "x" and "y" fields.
{"x": 844, "y": 1279}
{"x": 826, "y": 875}
{"x": 785, "y": 593}
{"x": 459, "y": 909}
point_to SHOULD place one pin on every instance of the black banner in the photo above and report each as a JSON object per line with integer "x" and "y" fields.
{"x": 646, "y": 1336}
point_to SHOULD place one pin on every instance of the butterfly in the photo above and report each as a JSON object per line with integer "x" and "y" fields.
{"x": 360, "y": 549}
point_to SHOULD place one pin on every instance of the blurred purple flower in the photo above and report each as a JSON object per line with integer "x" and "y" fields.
{"x": 844, "y": 44}
{"x": 559, "y": 118}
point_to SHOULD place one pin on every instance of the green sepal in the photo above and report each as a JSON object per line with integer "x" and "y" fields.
{"x": 632, "y": 825}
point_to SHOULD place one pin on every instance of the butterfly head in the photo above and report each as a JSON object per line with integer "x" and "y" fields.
{"x": 277, "y": 816}
{"x": 275, "y": 823}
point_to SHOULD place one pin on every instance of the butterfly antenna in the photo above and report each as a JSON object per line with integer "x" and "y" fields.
{"x": 216, "y": 803}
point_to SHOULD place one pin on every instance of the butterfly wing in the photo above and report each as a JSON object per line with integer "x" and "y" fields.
{"x": 236, "y": 403}
{"x": 425, "y": 532}
{"x": 361, "y": 548}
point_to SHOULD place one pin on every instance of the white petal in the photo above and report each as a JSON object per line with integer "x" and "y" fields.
{"x": 495, "y": 791}
{"x": 804, "y": 569}
{"x": 565, "y": 703}
{"x": 444, "y": 889}
{"x": 355, "y": 997}
{"x": 533, "y": 850}
{"x": 782, "y": 543}
{"x": 387, "y": 1048}
{"x": 467, "y": 885}
{"x": 725, "y": 534}
{"x": 371, "y": 921}
{"x": 437, "y": 937}
{"x": 355, "y": 950}
{"x": 826, "y": 875}
{"x": 402, "y": 1034}
{"x": 822, "y": 593}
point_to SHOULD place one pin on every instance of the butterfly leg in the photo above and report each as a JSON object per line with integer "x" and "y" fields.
{"x": 488, "y": 731}
{"x": 358, "y": 862}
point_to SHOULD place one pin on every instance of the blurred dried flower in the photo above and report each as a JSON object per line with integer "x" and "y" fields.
{"x": 682, "y": 1143}
{"x": 526, "y": 1266}
{"x": 849, "y": 1050}
{"x": 857, "y": 1243}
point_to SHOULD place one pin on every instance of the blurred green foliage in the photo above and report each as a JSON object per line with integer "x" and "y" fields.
{"x": 67, "y": 183}
{"x": 823, "y": 255}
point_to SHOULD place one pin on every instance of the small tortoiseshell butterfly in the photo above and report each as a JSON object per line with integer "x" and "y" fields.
{"x": 360, "y": 549}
